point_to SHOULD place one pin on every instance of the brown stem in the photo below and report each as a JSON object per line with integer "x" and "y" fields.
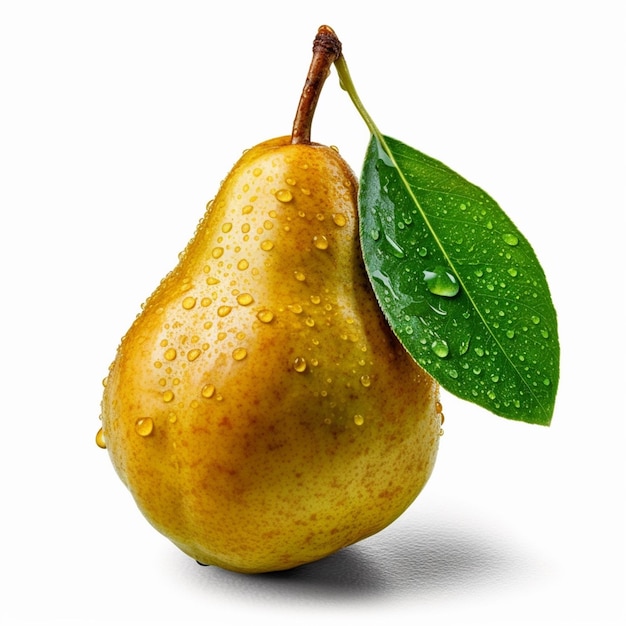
{"x": 326, "y": 50}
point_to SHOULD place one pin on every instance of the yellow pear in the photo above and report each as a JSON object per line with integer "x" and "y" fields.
{"x": 260, "y": 410}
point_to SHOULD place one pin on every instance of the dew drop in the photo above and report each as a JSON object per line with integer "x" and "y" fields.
{"x": 290, "y": 181}
{"x": 441, "y": 282}
{"x": 510, "y": 333}
{"x": 224, "y": 310}
{"x": 267, "y": 245}
{"x": 257, "y": 171}
{"x": 299, "y": 364}
{"x": 512, "y": 271}
{"x": 310, "y": 322}
{"x": 320, "y": 242}
{"x": 440, "y": 348}
{"x": 208, "y": 391}
{"x": 246, "y": 209}
{"x": 239, "y": 354}
{"x": 284, "y": 195}
{"x": 227, "y": 227}
{"x": 366, "y": 381}
{"x": 170, "y": 354}
{"x": 265, "y": 316}
{"x": 243, "y": 265}
{"x": 245, "y": 299}
{"x": 394, "y": 247}
{"x": 144, "y": 426}
{"x": 168, "y": 396}
{"x": 453, "y": 373}
{"x": 192, "y": 355}
{"x": 100, "y": 441}
{"x": 358, "y": 420}
{"x": 339, "y": 219}
{"x": 217, "y": 252}
{"x": 315, "y": 299}
{"x": 189, "y": 302}
{"x": 535, "y": 319}
{"x": 298, "y": 275}
{"x": 212, "y": 281}
{"x": 510, "y": 239}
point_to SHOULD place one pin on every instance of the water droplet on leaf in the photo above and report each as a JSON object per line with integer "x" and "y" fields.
{"x": 441, "y": 282}
{"x": 440, "y": 348}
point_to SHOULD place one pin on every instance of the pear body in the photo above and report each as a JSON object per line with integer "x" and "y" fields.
{"x": 259, "y": 409}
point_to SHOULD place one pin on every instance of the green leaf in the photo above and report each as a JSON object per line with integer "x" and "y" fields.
{"x": 459, "y": 284}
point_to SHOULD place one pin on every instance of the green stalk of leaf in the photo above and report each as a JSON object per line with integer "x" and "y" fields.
{"x": 459, "y": 284}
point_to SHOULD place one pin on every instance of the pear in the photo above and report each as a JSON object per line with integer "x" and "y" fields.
{"x": 260, "y": 410}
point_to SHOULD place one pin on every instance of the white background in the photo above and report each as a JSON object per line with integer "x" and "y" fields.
{"x": 119, "y": 119}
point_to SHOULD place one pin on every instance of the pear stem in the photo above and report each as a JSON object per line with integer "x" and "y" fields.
{"x": 326, "y": 51}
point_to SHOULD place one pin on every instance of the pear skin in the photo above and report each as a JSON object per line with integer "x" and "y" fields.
{"x": 260, "y": 410}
